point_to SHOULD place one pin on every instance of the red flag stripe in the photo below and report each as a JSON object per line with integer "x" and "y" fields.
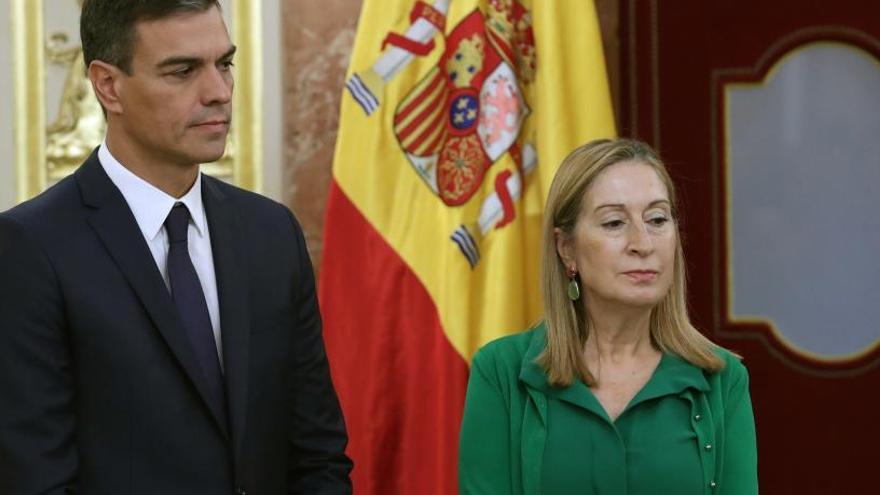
{"x": 431, "y": 129}
{"x": 400, "y": 381}
{"x": 433, "y": 114}
{"x": 431, "y": 86}
{"x": 433, "y": 147}
{"x": 502, "y": 45}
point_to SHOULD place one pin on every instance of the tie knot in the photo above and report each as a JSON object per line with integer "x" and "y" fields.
{"x": 177, "y": 222}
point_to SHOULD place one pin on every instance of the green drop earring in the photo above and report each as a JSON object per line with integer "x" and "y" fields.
{"x": 574, "y": 288}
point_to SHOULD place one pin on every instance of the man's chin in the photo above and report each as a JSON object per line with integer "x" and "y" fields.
{"x": 212, "y": 158}
{"x": 209, "y": 155}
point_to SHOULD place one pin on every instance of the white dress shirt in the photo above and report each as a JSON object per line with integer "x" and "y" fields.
{"x": 151, "y": 207}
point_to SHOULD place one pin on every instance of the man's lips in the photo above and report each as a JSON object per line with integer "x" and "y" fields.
{"x": 212, "y": 125}
{"x": 213, "y": 122}
{"x": 641, "y": 275}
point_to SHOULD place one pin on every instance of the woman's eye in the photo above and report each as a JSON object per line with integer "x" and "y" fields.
{"x": 658, "y": 221}
{"x": 612, "y": 224}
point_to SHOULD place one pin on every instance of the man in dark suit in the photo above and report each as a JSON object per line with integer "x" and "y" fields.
{"x": 159, "y": 329}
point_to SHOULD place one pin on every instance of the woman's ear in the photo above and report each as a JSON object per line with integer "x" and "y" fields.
{"x": 563, "y": 247}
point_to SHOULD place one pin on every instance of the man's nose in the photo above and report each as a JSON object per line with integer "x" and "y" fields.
{"x": 217, "y": 87}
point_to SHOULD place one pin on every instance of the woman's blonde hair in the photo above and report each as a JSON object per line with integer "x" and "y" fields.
{"x": 568, "y": 325}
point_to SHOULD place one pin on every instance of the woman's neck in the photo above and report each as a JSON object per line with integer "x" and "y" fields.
{"x": 618, "y": 335}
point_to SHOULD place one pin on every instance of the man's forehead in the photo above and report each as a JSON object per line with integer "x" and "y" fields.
{"x": 196, "y": 34}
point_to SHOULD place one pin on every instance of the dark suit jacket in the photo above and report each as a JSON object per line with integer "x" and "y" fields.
{"x": 100, "y": 392}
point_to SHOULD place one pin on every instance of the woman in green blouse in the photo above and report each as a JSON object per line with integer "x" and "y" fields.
{"x": 615, "y": 392}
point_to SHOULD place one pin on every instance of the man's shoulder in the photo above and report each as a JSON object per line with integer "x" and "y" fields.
{"x": 240, "y": 196}
{"x": 247, "y": 202}
{"x": 43, "y": 223}
{"x": 47, "y": 211}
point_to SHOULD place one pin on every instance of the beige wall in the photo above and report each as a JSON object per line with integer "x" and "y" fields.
{"x": 7, "y": 166}
{"x": 273, "y": 121}
{"x": 318, "y": 38}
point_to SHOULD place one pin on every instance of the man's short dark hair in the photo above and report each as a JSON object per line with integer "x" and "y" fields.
{"x": 107, "y": 27}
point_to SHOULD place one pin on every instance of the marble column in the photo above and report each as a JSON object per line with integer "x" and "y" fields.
{"x": 318, "y": 37}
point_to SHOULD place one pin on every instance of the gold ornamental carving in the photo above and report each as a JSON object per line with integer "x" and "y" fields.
{"x": 79, "y": 124}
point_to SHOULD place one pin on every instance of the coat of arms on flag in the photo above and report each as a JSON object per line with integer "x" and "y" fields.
{"x": 466, "y": 112}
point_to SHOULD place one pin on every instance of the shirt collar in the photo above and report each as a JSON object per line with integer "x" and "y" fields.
{"x": 673, "y": 375}
{"x": 149, "y": 204}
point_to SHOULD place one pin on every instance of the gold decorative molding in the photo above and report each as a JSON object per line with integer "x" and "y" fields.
{"x": 247, "y": 102}
{"x": 79, "y": 124}
{"x": 29, "y": 75}
{"x": 73, "y": 130}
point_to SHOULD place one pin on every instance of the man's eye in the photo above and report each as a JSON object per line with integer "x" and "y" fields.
{"x": 613, "y": 224}
{"x": 183, "y": 72}
{"x": 227, "y": 66}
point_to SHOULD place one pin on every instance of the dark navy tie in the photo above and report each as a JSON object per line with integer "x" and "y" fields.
{"x": 186, "y": 291}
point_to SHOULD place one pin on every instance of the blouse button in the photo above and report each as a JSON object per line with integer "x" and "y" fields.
{"x": 698, "y": 417}
{"x": 708, "y": 446}
{"x": 712, "y": 484}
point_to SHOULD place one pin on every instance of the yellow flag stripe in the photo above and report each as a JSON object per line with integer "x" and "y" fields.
{"x": 569, "y": 104}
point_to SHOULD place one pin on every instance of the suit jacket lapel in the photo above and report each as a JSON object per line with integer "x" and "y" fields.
{"x": 227, "y": 246}
{"x": 117, "y": 228}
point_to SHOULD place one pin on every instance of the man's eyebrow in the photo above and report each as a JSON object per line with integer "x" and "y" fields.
{"x": 191, "y": 60}
{"x": 179, "y": 60}
{"x": 229, "y": 53}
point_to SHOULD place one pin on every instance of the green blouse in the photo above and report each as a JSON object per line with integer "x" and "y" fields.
{"x": 685, "y": 433}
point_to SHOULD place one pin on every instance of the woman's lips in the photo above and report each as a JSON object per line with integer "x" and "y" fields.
{"x": 641, "y": 276}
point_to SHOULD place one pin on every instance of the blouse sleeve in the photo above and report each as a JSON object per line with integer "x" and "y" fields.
{"x": 739, "y": 472}
{"x": 484, "y": 446}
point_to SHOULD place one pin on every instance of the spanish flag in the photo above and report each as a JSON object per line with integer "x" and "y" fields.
{"x": 454, "y": 118}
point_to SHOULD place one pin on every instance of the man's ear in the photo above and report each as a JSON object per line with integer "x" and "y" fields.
{"x": 106, "y": 80}
{"x": 563, "y": 247}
